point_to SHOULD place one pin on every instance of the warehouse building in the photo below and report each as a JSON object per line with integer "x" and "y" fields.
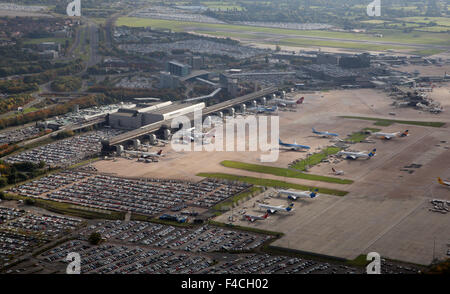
{"x": 145, "y": 114}
{"x": 178, "y": 69}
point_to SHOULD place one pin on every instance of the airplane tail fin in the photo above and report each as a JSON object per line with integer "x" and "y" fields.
{"x": 333, "y": 169}
{"x": 440, "y": 181}
{"x": 160, "y": 152}
{"x": 373, "y": 153}
{"x": 300, "y": 101}
{"x": 314, "y": 193}
{"x": 405, "y": 133}
{"x": 314, "y": 130}
{"x": 266, "y": 215}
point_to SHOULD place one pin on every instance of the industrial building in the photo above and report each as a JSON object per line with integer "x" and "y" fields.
{"x": 145, "y": 114}
{"x": 178, "y": 69}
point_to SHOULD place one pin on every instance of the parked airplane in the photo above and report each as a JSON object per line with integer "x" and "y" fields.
{"x": 284, "y": 102}
{"x": 356, "y": 155}
{"x": 294, "y": 146}
{"x": 337, "y": 172}
{"x": 273, "y": 209}
{"x": 145, "y": 154}
{"x": 388, "y": 136}
{"x": 444, "y": 183}
{"x": 324, "y": 134}
{"x": 295, "y": 195}
{"x": 262, "y": 109}
{"x": 252, "y": 218}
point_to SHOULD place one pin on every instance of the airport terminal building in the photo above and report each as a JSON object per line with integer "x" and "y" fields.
{"x": 145, "y": 114}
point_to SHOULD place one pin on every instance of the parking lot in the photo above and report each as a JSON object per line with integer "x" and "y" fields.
{"x": 148, "y": 248}
{"x": 22, "y": 231}
{"x": 203, "y": 239}
{"x": 66, "y": 152}
{"x": 146, "y": 197}
{"x": 18, "y": 135}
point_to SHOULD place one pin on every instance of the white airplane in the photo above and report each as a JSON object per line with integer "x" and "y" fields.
{"x": 273, "y": 209}
{"x": 284, "y": 102}
{"x": 295, "y": 195}
{"x": 388, "y": 136}
{"x": 252, "y": 218}
{"x": 337, "y": 172}
{"x": 444, "y": 183}
{"x": 356, "y": 155}
{"x": 145, "y": 154}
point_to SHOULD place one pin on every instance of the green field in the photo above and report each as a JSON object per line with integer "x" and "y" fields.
{"x": 394, "y": 36}
{"x": 315, "y": 158}
{"x": 61, "y": 41}
{"x": 388, "y": 122}
{"x": 232, "y": 200}
{"x": 434, "y": 29}
{"x": 70, "y": 209}
{"x": 427, "y": 52}
{"x": 271, "y": 183}
{"x": 360, "y": 136}
{"x": 219, "y": 5}
{"x": 282, "y": 172}
{"x": 347, "y": 45}
{"x": 441, "y": 21}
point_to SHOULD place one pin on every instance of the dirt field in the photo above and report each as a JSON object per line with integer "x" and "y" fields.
{"x": 387, "y": 207}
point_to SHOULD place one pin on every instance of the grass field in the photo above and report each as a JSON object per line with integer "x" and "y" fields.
{"x": 282, "y": 172}
{"x": 360, "y": 136}
{"x": 394, "y": 36}
{"x": 388, "y": 122}
{"x": 441, "y": 21}
{"x": 271, "y": 183}
{"x": 235, "y": 199}
{"x": 314, "y": 159}
{"x": 347, "y": 45}
{"x": 42, "y": 40}
{"x": 427, "y": 52}
{"x": 69, "y": 209}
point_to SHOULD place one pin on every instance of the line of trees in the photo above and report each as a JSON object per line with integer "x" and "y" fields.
{"x": 19, "y": 172}
{"x": 13, "y": 102}
{"x": 42, "y": 114}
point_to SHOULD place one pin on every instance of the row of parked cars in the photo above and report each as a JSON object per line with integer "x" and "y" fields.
{"x": 66, "y": 152}
{"x": 22, "y": 231}
{"x": 146, "y": 197}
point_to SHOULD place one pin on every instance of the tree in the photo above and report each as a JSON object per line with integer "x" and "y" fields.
{"x": 29, "y": 201}
{"x": 2, "y": 195}
{"x": 95, "y": 238}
